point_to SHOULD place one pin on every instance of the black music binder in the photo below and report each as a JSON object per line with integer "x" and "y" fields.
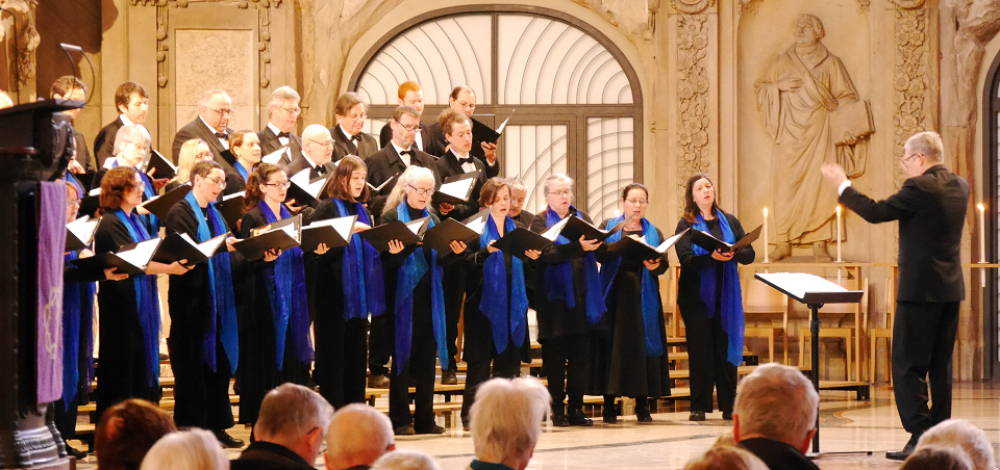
{"x": 440, "y": 236}
{"x": 457, "y": 189}
{"x": 336, "y": 233}
{"x": 80, "y": 232}
{"x": 281, "y": 235}
{"x": 131, "y": 259}
{"x": 180, "y": 246}
{"x": 639, "y": 250}
{"x": 160, "y": 205}
{"x": 409, "y": 233}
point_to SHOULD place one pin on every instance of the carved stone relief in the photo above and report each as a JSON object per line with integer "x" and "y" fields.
{"x": 692, "y": 94}
{"x": 19, "y": 39}
{"x": 910, "y": 78}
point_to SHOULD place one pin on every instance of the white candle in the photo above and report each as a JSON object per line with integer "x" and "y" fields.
{"x": 839, "y": 259}
{"x": 982, "y": 232}
{"x": 765, "y": 237}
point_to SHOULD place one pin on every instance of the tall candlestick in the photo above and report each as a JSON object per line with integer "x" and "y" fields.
{"x": 839, "y": 259}
{"x": 982, "y": 232}
{"x": 765, "y": 237}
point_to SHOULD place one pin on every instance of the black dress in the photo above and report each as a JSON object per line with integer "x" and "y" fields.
{"x": 258, "y": 347}
{"x": 79, "y": 284}
{"x": 202, "y": 394}
{"x": 707, "y": 341}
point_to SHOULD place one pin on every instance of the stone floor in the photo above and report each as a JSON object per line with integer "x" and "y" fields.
{"x": 847, "y": 425}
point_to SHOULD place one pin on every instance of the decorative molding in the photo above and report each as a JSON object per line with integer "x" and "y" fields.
{"x": 864, "y": 6}
{"x": 749, "y": 7}
{"x": 908, "y": 4}
{"x": 22, "y": 14}
{"x": 911, "y": 88}
{"x": 692, "y": 92}
{"x": 691, "y": 7}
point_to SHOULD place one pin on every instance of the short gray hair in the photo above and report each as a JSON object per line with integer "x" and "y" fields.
{"x": 515, "y": 182}
{"x": 556, "y": 177}
{"x": 279, "y": 95}
{"x": 938, "y": 457}
{"x": 196, "y": 449}
{"x": 728, "y": 457}
{"x": 292, "y": 411}
{"x": 778, "y": 402}
{"x": 131, "y": 134}
{"x": 405, "y": 460}
{"x": 207, "y": 96}
{"x": 360, "y": 431}
{"x": 962, "y": 433}
{"x": 928, "y": 144}
{"x": 506, "y": 419}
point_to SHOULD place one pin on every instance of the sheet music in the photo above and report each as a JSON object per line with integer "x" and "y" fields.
{"x": 232, "y": 196}
{"x": 301, "y": 179}
{"x": 415, "y": 225}
{"x": 94, "y": 192}
{"x": 275, "y": 156}
{"x": 290, "y": 229}
{"x": 140, "y": 255}
{"x": 669, "y": 242}
{"x": 83, "y": 228}
{"x": 553, "y": 232}
{"x": 477, "y": 225}
{"x": 504, "y": 123}
{"x": 342, "y": 225}
{"x": 459, "y": 188}
{"x": 798, "y": 284}
{"x": 209, "y": 247}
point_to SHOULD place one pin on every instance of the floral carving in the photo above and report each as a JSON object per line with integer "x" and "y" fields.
{"x": 691, "y": 7}
{"x": 910, "y": 75}
{"x": 692, "y": 95}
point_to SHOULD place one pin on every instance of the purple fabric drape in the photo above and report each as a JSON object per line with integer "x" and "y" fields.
{"x": 51, "y": 242}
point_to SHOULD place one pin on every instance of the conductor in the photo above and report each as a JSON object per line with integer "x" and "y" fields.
{"x": 930, "y": 208}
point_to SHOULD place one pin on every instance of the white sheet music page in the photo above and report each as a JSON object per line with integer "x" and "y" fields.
{"x": 415, "y": 225}
{"x": 83, "y": 228}
{"x": 140, "y": 255}
{"x": 275, "y": 156}
{"x": 798, "y": 284}
{"x": 459, "y": 188}
{"x": 669, "y": 242}
{"x": 342, "y": 225}
{"x": 553, "y": 232}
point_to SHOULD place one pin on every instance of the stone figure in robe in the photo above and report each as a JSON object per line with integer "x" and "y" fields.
{"x": 797, "y": 94}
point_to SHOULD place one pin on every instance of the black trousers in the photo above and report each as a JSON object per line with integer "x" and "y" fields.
{"x": 923, "y": 340}
{"x": 65, "y": 417}
{"x": 202, "y": 395}
{"x": 423, "y": 355}
{"x": 708, "y": 349}
{"x": 341, "y": 350}
{"x": 379, "y": 346}
{"x": 454, "y": 299}
{"x": 565, "y": 361}
{"x": 507, "y": 365}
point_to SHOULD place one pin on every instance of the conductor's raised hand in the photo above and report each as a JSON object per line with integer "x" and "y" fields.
{"x": 720, "y": 256}
{"x": 458, "y": 247}
{"x": 589, "y": 245}
{"x": 834, "y": 173}
{"x": 395, "y": 247}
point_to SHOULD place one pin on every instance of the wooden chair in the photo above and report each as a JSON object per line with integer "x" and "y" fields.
{"x": 765, "y": 302}
{"x": 883, "y": 331}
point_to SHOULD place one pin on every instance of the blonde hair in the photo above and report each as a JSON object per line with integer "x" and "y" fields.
{"x": 185, "y": 159}
{"x": 506, "y": 419}
{"x": 196, "y": 449}
{"x": 726, "y": 457}
{"x": 412, "y": 174}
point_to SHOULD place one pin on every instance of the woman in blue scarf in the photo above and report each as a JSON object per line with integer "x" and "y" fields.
{"x": 569, "y": 304}
{"x": 710, "y": 299}
{"x": 414, "y": 295}
{"x": 245, "y": 147}
{"x": 631, "y": 357}
{"x": 276, "y": 347}
{"x": 496, "y": 325}
{"x": 129, "y": 363}
{"x": 203, "y": 339}
{"x": 131, "y": 147}
{"x": 351, "y": 280}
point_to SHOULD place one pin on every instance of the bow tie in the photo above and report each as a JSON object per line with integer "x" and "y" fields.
{"x": 405, "y": 152}
{"x": 463, "y": 161}
{"x": 222, "y": 135}
{"x": 321, "y": 169}
{"x": 283, "y": 134}
{"x": 356, "y": 138}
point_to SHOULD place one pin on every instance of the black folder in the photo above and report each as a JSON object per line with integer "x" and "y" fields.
{"x": 710, "y": 243}
{"x": 272, "y": 236}
{"x": 90, "y": 203}
{"x": 577, "y": 227}
{"x": 639, "y": 250}
{"x": 483, "y": 133}
{"x": 85, "y": 179}
{"x": 130, "y": 259}
{"x": 519, "y": 240}
{"x": 160, "y": 205}
{"x": 228, "y": 157}
{"x": 80, "y": 232}
{"x": 453, "y": 189}
{"x": 440, "y": 236}
{"x": 164, "y": 167}
{"x": 231, "y": 208}
{"x": 336, "y": 233}
{"x": 177, "y": 247}
{"x": 409, "y": 233}
{"x": 308, "y": 193}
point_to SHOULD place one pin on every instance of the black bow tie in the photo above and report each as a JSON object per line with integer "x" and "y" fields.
{"x": 463, "y": 161}
{"x": 283, "y": 134}
{"x": 321, "y": 169}
{"x": 356, "y": 138}
{"x": 405, "y": 152}
{"x": 222, "y": 135}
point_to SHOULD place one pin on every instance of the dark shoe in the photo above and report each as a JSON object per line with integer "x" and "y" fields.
{"x": 643, "y": 415}
{"x": 610, "y": 418}
{"x": 697, "y": 416}
{"x": 434, "y": 429}
{"x": 577, "y": 418}
{"x": 378, "y": 381}
{"x": 900, "y": 454}
{"x": 76, "y": 453}
{"x": 227, "y": 441}
{"x": 560, "y": 421}
{"x": 465, "y": 424}
{"x": 448, "y": 377}
{"x": 406, "y": 430}
{"x": 727, "y": 415}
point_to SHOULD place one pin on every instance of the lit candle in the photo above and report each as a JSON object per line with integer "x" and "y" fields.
{"x": 765, "y": 236}
{"x": 982, "y": 232}
{"x": 839, "y": 259}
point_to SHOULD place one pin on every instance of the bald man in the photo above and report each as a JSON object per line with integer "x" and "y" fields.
{"x": 317, "y": 153}
{"x": 357, "y": 437}
{"x": 212, "y": 125}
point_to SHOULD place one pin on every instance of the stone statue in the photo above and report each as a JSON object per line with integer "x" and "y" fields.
{"x": 798, "y": 94}
{"x": 18, "y": 41}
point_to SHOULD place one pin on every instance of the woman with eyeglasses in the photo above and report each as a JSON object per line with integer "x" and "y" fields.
{"x": 631, "y": 357}
{"x": 245, "y": 147}
{"x": 568, "y": 302}
{"x": 710, "y": 299}
{"x": 129, "y": 363}
{"x": 203, "y": 339}
{"x": 131, "y": 147}
{"x": 276, "y": 347}
{"x": 192, "y": 152}
{"x": 352, "y": 289}
{"x": 415, "y": 296}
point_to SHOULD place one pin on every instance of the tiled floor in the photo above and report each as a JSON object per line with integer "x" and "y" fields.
{"x": 846, "y": 425}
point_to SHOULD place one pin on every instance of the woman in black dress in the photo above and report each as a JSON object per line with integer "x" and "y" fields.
{"x": 275, "y": 341}
{"x": 631, "y": 357}
{"x": 496, "y": 325}
{"x": 352, "y": 289}
{"x": 569, "y": 304}
{"x": 129, "y": 363}
{"x": 415, "y": 296}
{"x": 710, "y": 299}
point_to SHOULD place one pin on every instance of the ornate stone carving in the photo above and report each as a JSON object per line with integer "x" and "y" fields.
{"x": 25, "y": 38}
{"x": 749, "y": 7}
{"x": 692, "y": 90}
{"x": 910, "y": 78}
{"x": 691, "y": 7}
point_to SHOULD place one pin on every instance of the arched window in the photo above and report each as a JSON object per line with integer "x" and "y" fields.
{"x": 991, "y": 186}
{"x": 576, "y": 98}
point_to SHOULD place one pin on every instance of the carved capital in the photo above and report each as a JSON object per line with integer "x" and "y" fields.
{"x": 691, "y": 7}
{"x": 908, "y": 4}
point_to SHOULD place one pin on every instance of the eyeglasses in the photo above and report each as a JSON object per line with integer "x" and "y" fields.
{"x": 73, "y": 203}
{"x": 409, "y": 128}
{"x": 422, "y": 191}
{"x": 905, "y": 158}
{"x": 562, "y": 192}
{"x": 328, "y": 143}
{"x": 280, "y": 184}
{"x": 634, "y": 202}
{"x": 220, "y": 182}
{"x": 466, "y": 104}
{"x": 294, "y": 110}
{"x": 224, "y": 112}
{"x": 202, "y": 155}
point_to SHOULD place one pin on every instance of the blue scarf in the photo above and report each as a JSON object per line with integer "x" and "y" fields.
{"x": 220, "y": 284}
{"x": 650, "y": 295}
{"x": 78, "y": 317}
{"x": 148, "y": 192}
{"x": 80, "y": 193}
{"x": 732, "y": 296}
{"x": 146, "y": 305}
{"x": 494, "y": 303}
{"x": 364, "y": 291}
{"x": 559, "y": 277}
{"x": 286, "y": 286}
{"x": 242, "y": 171}
{"x": 410, "y": 274}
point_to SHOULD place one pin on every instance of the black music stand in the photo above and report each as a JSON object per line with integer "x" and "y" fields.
{"x": 814, "y": 292}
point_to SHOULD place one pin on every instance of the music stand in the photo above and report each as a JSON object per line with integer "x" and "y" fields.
{"x": 814, "y": 292}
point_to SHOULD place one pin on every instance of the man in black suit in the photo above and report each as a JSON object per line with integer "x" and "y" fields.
{"x": 212, "y": 125}
{"x": 317, "y": 151}
{"x": 132, "y": 102}
{"x": 348, "y": 137}
{"x": 930, "y": 208}
{"x": 289, "y": 431}
{"x": 396, "y": 156}
{"x": 282, "y": 112}
{"x": 462, "y": 100}
{"x": 518, "y": 193}
{"x": 412, "y": 95}
{"x": 774, "y": 416}
{"x": 69, "y": 87}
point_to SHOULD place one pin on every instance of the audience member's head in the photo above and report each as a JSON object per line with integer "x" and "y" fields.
{"x": 961, "y": 433}
{"x": 358, "y": 435}
{"x": 726, "y": 439}
{"x": 405, "y": 460}
{"x": 317, "y": 144}
{"x": 216, "y": 108}
{"x": 726, "y": 458}
{"x": 937, "y": 457}
{"x": 127, "y": 431}
{"x": 196, "y": 449}
{"x": 506, "y": 420}
{"x": 295, "y": 417}
{"x": 776, "y": 402}
{"x": 132, "y": 102}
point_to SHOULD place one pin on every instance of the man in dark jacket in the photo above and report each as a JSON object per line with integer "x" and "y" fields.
{"x": 930, "y": 208}
{"x": 775, "y": 416}
{"x": 289, "y": 431}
